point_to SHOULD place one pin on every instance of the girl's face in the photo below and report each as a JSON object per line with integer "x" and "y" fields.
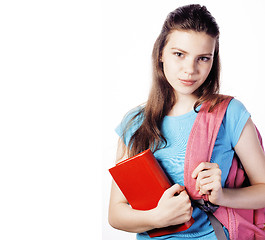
{"x": 187, "y": 60}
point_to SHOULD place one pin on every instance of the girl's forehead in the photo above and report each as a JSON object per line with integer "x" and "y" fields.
{"x": 196, "y": 41}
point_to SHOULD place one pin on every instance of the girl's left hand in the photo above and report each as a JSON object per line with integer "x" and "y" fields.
{"x": 208, "y": 181}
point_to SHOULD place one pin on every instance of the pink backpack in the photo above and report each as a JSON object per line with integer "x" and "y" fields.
{"x": 241, "y": 223}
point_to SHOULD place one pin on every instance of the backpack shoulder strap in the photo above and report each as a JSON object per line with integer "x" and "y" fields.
{"x": 201, "y": 141}
{"x": 241, "y": 223}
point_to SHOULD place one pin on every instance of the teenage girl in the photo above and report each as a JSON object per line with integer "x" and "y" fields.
{"x": 186, "y": 72}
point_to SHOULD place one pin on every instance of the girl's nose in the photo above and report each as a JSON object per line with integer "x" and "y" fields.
{"x": 190, "y": 67}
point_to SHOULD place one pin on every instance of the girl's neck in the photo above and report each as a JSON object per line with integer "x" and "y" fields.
{"x": 183, "y": 105}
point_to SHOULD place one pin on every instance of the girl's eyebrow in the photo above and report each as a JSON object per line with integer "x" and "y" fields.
{"x": 178, "y": 49}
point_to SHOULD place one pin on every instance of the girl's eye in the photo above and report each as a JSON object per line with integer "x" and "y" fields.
{"x": 204, "y": 59}
{"x": 179, "y": 54}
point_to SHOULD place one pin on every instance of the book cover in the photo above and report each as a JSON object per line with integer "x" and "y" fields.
{"x": 142, "y": 181}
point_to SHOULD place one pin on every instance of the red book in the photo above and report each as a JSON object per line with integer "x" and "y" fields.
{"x": 142, "y": 181}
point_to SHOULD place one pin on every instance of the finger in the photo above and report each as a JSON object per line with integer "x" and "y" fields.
{"x": 205, "y": 188}
{"x": 208, "y": 188}
{"x": 213, "y": 176}
{"x": 184, "y": 194}
{"x": 204, "y": 177}
{"x": 203, "y": 166}
{"x": 216, "y": 172}
{"x": 184, "y": 198}
{"x": 208, "y": 176}
{"x": 205, "y": 181}
{"x": 176, "y": 188}
{"x": 191, "y": 211}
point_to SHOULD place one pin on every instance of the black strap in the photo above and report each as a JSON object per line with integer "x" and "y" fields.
{"x": 209, "y": 209}
{"x": 217, "y": 227}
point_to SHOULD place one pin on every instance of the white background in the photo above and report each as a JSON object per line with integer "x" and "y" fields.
{"x": 50, "y": 184}
{"x": 129, "y": 31}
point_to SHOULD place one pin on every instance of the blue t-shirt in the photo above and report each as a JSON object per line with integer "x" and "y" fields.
{"x": 176, "y": 130}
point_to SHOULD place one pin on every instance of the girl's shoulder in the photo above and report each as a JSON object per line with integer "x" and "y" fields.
{"x": 235, "y": 119}
{"x": 235, "y": 108}
{"x": 133, "y": 116}
{"x": 130, "y": 123}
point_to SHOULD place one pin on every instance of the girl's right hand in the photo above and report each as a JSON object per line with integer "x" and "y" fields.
{"x": 174, "y": 207}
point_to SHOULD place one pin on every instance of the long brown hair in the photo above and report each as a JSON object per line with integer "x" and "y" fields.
{"x": 162, "y": 97}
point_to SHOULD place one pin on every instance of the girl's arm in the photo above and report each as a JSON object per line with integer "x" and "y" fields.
{"x": 171, "y": 210}
{"x": 252, "y": 158}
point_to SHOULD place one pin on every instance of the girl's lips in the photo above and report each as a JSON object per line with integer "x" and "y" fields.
{"x": 187, "y": 82}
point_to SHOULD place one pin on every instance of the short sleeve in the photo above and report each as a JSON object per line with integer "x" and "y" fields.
{"x": 128, "y": 127}
{"x": 235, "y": 119}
